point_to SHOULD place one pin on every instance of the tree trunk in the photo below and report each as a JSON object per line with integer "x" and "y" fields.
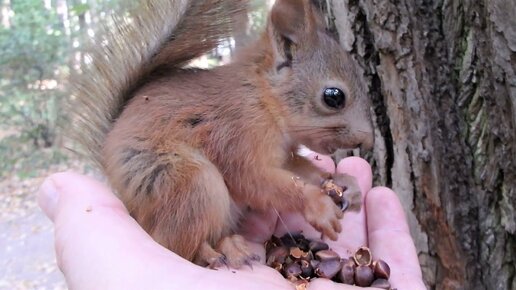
{"x": 442, "y": 79}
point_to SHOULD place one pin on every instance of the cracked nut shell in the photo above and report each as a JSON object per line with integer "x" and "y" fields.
{"x": 363, "y": 256}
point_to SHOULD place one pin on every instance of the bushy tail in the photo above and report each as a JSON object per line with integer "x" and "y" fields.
{"x": 163, "y": 33}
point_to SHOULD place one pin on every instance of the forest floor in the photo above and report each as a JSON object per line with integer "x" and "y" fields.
{"x": 27, "y": 257}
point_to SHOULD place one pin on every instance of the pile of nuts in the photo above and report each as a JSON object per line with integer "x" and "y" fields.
{"x": 299, "y": 260}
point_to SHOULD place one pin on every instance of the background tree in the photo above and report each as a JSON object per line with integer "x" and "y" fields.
{"x": 442, "y": 78}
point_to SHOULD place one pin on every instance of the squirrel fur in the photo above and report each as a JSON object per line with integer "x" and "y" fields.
{"x": 186, "y": 149}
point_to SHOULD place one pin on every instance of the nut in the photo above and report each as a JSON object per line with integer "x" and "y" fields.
{"x": 277, "y": 255}
{"x": 277, "y": 266}
{"x": 314, "y": 263}
{"x": 363, "y": 276}
{"x": 363, "y": 256}
{"x": 292, "y": 271}
{"x": 347, "y": 273}
{"x": 327, "y": 255}
{"x": 381, "y": 269}
{"x": 306, "y": 269}
{"x": 273, "y": 242}
{"x": 328, "y": 269}
{"x": 336, "y": 193}
{"x": 292, "y": 239}
{"x": 381, "y": 283}
{"x": 316, "y": 246}
{"x": 333, "y": 190}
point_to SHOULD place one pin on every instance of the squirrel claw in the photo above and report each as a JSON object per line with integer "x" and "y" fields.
{"x": 249, "y": 263}
{"x": 255, "y": 258}
{"x": 252, "y": 258}
{"x": 219, "y": 262}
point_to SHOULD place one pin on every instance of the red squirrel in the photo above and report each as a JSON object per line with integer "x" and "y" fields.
{"x": 185, "y": 149}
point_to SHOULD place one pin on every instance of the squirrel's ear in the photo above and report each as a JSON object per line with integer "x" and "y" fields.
{"x": 292, "y": 19}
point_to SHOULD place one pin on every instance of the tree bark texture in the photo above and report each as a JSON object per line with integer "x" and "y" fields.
{"x": 442, "y": 79}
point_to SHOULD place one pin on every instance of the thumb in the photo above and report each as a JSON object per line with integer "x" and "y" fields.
{"x": 95, "y": 235}
{"x": 80, "y": 207}
{"x": 63, "y": 191}
{"x": 48, "y": 197}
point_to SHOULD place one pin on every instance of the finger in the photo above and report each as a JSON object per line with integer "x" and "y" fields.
{"x": 354, "y": 232}
{"x": 390, "y": 240}
{"x": 64, "y": 189}
{"x": 323, "y": 162}
{"x": 95, "y": 235}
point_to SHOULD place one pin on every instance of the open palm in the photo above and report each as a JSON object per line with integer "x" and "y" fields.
{"x": 99, "y": 246}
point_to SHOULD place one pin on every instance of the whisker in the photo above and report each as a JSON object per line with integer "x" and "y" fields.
{"x": 309, "y": 132}
{"x": 301, "y": 128}
{"x": 284, "y": 224}
{"x": 362, "y": 131}
{"x": 318, "y": 132}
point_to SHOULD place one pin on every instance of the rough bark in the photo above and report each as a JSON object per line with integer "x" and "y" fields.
{"x": 442, "y": 79}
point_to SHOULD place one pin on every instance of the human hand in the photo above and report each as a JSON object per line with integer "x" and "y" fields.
{"x": 99, "y": 246}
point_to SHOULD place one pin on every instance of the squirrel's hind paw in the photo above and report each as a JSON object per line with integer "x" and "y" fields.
{"x": 236, "y": 251}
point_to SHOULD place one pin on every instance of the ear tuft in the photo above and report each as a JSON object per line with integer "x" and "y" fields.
{"x": 288, "y": 17}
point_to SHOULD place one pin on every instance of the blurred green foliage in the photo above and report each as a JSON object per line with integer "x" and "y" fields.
{"x": 257, "y": 15}
{"x": 40, "y": 45}
{"x": 39, "y": 42}
{"x": 33, "y": 60}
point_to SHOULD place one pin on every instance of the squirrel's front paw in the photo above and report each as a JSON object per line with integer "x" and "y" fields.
{"x": 323, "y": 214}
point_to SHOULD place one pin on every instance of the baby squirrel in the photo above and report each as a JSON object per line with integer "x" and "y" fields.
{"x": 187, "y": 149}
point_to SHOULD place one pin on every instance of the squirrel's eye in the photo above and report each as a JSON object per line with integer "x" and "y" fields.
{"x": 334, "y": 98}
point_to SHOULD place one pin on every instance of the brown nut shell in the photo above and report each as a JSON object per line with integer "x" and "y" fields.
{"x": 381, "y": 269}
{"x": 327, "y": 255}
{"x": 316, "y": 246}
{"x": 272, "y": 243}
{"x": 306, "y": 269}
{"x": 292, "y": 271}
{"x": 363, "y": 256}
{"x": 277, "y": 266}
{"x": 328, "y": 269}
{"x": 363, "y": 276}
{"x": 381, "y": 283}
{"x": 277, "y": 255}
{"x": 347, "y": 273}
{"x": 297, "y": 253}
{"x": 314, "y": 263}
